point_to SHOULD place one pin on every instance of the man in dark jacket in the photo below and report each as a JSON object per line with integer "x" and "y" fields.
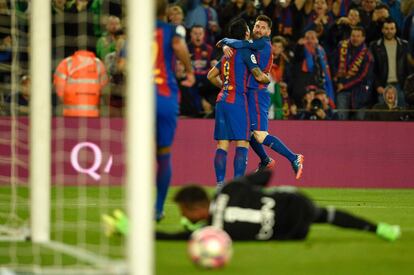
{"x": 391, "y": 61}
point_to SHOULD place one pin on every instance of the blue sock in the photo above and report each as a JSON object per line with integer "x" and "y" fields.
{"x": 278, "y": 146}
{"x": 259, "y": 150}
{"x": 163, "y": 180}
{"x": 220, "y": 161}
{"x": 240, "y": 161}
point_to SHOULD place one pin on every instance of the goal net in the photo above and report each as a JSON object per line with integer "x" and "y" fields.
{"x": 87, "y": 163}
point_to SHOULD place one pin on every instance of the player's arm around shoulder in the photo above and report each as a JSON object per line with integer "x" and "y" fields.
{"x": 250, "y": 59}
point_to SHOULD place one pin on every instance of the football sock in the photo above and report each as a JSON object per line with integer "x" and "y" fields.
{"x": 259, "y": 150}
{"x": 220, "y": 160}
{"x": 163, "y": 181}
{"x": 240, "y": 161}
{"x": 343, "y": 219}
{"x": 277, "y": 145}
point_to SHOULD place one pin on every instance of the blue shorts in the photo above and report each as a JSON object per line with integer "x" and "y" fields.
{"x": 167, "y": 112}
{"x": 259, "y": 104}
{"x": 232, "y": 122}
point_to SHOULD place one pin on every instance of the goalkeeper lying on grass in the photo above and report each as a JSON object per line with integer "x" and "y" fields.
{"x": 248, "y": 211}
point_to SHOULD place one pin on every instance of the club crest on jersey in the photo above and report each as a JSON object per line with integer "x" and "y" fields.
{"x": 253, "y": 58}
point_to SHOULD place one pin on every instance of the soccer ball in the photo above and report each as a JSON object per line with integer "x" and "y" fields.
{"x": 210, "y": 247}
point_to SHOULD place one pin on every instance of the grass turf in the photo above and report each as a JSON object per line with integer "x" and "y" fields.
{"x": 327, "y": 250}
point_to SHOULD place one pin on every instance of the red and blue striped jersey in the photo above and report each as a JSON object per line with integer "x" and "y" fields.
{"x": 264, "y": 59}
{"x": 234, "y": 73}
{"x": 262, "y": 49}
{"x": 164, "y": 76}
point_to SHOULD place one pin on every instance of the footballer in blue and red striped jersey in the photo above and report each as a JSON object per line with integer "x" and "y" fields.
{"x": 259, "y": 99}
{"x": 232, "y": 117}
{"x": 168, "y": 43}
{"x": 165, "y": 82}
{"x": 258, "y": 95}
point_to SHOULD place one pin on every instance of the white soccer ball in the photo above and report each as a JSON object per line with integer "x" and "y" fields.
{"x": 210, "y": 247}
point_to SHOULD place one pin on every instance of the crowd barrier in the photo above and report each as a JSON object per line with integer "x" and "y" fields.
{"x": 337, "y": 153}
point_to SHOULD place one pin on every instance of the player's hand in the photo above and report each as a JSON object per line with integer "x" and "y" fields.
{"x": 228, "y": 52}
{"x": 189, "y": 81}
{"x": 219, "y": 43}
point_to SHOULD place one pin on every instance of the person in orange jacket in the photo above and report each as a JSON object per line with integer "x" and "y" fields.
{"x": 79, "y": 80}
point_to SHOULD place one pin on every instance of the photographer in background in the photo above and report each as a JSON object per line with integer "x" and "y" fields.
{"x": 325, "y": 112}
{"x": 317, "y": 107}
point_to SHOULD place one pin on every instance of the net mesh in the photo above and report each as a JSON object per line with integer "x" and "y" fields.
{"x": 87, "y": 153}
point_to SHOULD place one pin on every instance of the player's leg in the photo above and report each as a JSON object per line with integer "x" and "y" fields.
{"x": 220, "y": 161}
{"x": 164, "y": 172}
{"x": 256, "y": 124}
{"x": 344, "y": 219}
{"x": 166, "y": 123}
{"x": 240, "y": 158}
{"x": 278, "y": 146}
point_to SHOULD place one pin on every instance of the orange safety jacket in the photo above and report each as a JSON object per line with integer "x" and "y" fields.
{"x": 78, "y": 80}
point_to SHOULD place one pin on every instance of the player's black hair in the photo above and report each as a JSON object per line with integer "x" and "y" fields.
{"x": 237, "y": 29}
{"x": 191, "y": 194}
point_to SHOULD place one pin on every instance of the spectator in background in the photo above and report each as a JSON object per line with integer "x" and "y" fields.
{"x": 19, "y": 102}
{"x": 408, "y": 33}
{"x": 279, "y": 74}
{"x": 388, "y": 110}
{"x": 366, "y": 10}
{"x": 341, "y": 29}
{"x": 309, "y": 94}
{"x": 373, "y": 30}
{"x": 231, "y": 10}
{"x": 395, "y": 12}
{"x": 390, "y": 61}
{"x": 5, "y": 49}
{"x": 310, "y": 67}
{"x": 205, "y": 16}
{"x": 320, "y": 19}
{"x": 201, "y": 59}
{"x": 79, "y": 80}
{"x": 106, "y": 44}
{"x": 409, "y": 95}
{"x": 289, "y": 19}
{"x": 321, "y": 108}
{"x": 249, "y": 14}
{"x": 352, "y": 73}
{"x": 115, "y": 64}
{"x": 175, "y": 15}
{"x": 79, "y": 27}
{"x": 58, "y": 6}
{"x": 282, "y": 106}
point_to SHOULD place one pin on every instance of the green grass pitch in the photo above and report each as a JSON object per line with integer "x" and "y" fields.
{"x": 327, "y": 250}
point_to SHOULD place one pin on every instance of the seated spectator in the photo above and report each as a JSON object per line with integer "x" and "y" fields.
{"x": 389, "y": 110}
{"x": 322, "y": 110}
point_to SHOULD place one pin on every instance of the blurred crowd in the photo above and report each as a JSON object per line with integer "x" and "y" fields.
{"x": 332, "y": 59}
